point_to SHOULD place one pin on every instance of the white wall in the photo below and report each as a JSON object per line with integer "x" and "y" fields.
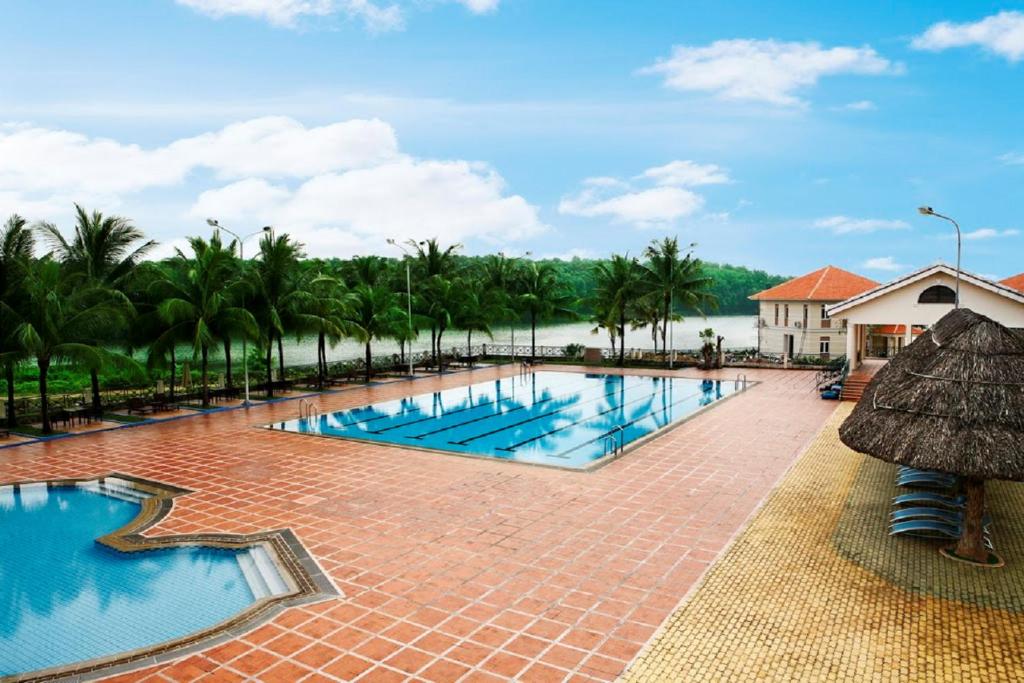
{"x": 900, "y": 307}
{"x": 806, "y": 340}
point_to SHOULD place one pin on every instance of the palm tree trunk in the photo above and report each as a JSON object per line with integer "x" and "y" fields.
{"x": 321, "y": 360}
{"x": 971, "y": 545}
{"x": 533, "y": 335}
{"x": 228, "y": 380}
{"x": 433, "y": 345}
{"x": 664, "y": 328}
{"x": 440, "y": 356}
{"x": 206, "y": 385}
{"x": 12, "y": 420}
{"x": 280, "y": 358}
{"x": 622, "y": 337}
{"x": 369, "y": 360}
{"x": 173, "y": 363}
{"x": 44, "y": 406}
{"x": 97, "y": 403}
{"x": 270, "y": 367}
{"x": 401, "y": 349}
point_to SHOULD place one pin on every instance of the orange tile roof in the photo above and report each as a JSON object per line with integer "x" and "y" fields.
{"x": 895, "y": 329}
{"x": 1015, "y": 282}
{"x": 825, "y": 284}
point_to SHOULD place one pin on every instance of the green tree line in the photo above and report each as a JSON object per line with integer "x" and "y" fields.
{"x": 92, "y": 302}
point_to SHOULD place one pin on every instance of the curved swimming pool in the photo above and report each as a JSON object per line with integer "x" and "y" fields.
{"x": 67, "y": 599}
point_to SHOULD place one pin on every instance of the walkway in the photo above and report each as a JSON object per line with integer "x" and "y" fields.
{"x": 456, "y": 568}
{"x": 815, "y": 590}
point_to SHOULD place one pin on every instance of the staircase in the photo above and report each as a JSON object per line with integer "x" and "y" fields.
{"x": 855, "y": 384}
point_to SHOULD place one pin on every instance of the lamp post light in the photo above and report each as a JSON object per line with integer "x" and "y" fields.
{"x": 212, "y": 222}
{"x": 929, "y": 211}
{"x": 408, "y": 289}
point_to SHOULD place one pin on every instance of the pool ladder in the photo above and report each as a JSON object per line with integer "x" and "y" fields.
{"x": 307, "y": 410}
{"x": 741, "y": 382}
{"x": 616, "y": 446}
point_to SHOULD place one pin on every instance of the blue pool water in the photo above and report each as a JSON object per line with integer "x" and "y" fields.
{"x": 66, "y": 598}
{"x": 563, "y": 419}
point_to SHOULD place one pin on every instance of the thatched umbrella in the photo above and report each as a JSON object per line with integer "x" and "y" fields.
{"x": 952, "y": 401}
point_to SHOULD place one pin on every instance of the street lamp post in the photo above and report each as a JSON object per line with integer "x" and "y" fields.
{"x": 212, "y": 222}
{"x": 929, "y": 211}
{"x": 408, "y": 289}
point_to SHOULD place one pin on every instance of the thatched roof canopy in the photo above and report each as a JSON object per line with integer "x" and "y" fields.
{"x": 953, "y": 401}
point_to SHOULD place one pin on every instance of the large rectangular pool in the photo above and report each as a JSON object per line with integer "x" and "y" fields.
{"x": 561, "y": 419}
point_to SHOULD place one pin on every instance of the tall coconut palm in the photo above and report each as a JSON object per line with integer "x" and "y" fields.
{"x": 60, "y": 319}
{"x": 674, "y": 280}
{"x": 16, "y": 246}
{"x": 199, "y": 298}
{"x": 104, "y": 251}
{"x": 375, "y": 314}
{"x": 617, "y": 289}
{"x": 322, "y": 307}
{"x": 275, "y": 283}
{"x": 542, "y": 296}
{"x": 479, "y": 307}
{"x": 435, "y": 266}
{"x": 502, "y": 275}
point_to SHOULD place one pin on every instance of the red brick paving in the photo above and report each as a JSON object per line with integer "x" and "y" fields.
{"x": 457, "y": 568}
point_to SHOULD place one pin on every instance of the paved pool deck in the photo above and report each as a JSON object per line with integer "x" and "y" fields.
{"x": 815, "y": 590}
{"x": 457, "y": 568}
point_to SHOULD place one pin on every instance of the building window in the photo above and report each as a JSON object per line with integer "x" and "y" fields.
{"x": 823, "y": 345}
{"x": 776, "y": 315}
{"x": 937, "y": 294}
{"x": 805, "y": 316}
{"x": 824, "y": 312}
{"x": 785, "y": 318}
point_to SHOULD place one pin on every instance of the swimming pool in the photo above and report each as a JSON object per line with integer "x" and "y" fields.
{"x": 67, "y": 599}
{"x": 562, "y": 419}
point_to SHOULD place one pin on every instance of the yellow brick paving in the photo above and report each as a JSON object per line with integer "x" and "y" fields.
{"x": 786, "y": 604}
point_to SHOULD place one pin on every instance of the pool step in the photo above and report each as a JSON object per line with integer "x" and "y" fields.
{"x": 261, "y": 573}
{"x": 115, "y": 488}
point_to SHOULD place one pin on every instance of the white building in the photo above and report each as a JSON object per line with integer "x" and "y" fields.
{"x": 793, "y": 319}
{"x": 918, "y": 300}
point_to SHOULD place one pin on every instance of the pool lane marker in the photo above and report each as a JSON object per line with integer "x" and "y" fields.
{"x": 548, "y": 414}
{"x": 462, "y": 410}
{"x": 592, "y": 417}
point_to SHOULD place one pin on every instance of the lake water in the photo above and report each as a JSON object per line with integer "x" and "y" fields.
{"x": 740, "y": 332}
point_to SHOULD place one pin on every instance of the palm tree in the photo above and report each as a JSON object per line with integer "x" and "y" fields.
{"x": 479, "y": 307}
{"x": 103, "y": 252}
{"x": 199, "y": 298}
{"x": 617, "y": 289}
{"x": 275, "y": 280}
{"x": 322, "y": 306}
{"x": 674, "y": 281}
{"x": 502, "y": 275}
{"x": 435, "y": 265}
{"x": 542, "y": 296}
{"x": 60, "y": 321}
{"x": 375, "y": 314}
{"x": 16, "y": 245}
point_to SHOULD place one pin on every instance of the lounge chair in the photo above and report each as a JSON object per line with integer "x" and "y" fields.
{"x": 139, "y": 405}
{"x": 941, "y": 514}
{"x": 927, "y": 528}
{"x": 160, "y": 402}
{"x": 930, "y": 498}
{"x": 928, "y": 481}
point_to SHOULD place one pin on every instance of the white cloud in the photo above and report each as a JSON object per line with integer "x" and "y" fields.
{"x": 667, "y": 200}
{"x": 687, "y": 174}
{"x": 886, "y": 263}
{"x": 339, "y": 188}
{"x": 764, "y": 70}
{"x": 1012, "y": 159}
{"x": 842, "y": 225}
{"x": 376, "y": 16}
{"x": 988, "y": 234}
{"x": 1001, "y": 34}
{"x": 645, "y": 208}
{"x": 859, "y": 105}
{"x": 44, "y": 160}
{"x": 345, "y": 212}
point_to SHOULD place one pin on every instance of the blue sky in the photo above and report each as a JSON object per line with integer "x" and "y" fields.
{"x": 777, "y": 135}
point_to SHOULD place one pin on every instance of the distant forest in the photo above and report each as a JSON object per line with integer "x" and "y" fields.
{"x": 732, "y": 284}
